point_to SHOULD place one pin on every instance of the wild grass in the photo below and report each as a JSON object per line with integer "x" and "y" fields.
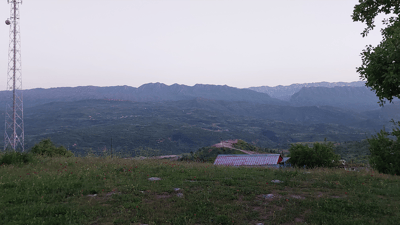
{"x": 94, "y": 190}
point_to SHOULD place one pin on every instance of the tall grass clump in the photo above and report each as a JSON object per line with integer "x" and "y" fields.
{"x": 13, "y": 158}
{"x": 47, "y": 148}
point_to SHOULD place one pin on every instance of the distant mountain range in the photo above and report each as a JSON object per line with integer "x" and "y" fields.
{"x": 352, "y": 98}
{"x": 285, "y": 92}
{"x": 152, "y": 92}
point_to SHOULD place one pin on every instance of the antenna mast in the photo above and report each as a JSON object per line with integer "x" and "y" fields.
{"x": 14, "y": 121}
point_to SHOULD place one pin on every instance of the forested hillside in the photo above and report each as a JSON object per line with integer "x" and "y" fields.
{"x": 176, "y": 127}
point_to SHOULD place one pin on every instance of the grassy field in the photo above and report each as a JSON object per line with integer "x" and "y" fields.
{"x": 117, "y": 191}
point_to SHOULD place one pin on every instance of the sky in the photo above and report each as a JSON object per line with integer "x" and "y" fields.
{"x": 239, "y": 43}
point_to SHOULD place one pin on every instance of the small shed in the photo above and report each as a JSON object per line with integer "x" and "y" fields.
{"x": 270, "y": 160}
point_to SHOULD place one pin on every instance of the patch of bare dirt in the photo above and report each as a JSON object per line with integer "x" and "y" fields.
{"x": 299, "y": 219}
{"x": 297, "y": 197}
{"x": 320, "y": 195}
{"x": 229, "y": 144}
{"x": 226, "y": 144}
{"x": 112, "y": 193}
{"x": 163, "y": 195}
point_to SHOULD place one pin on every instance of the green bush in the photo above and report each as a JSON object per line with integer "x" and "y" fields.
{"x": 15, "y": 158}
{"x": 47, "y": 148}
{"x": 385, "y": 152}
{"x": 319, "y": 155}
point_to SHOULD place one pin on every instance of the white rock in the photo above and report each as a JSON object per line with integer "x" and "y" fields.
{"x": 276, "y": 181}
{"x": 297, "y": 197}
{"x": 268, "y": 196}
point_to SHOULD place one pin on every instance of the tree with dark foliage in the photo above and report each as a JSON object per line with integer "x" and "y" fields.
{"x": 385, "y": 152}
{"x": 381, "y": 64}
{"x": 319, "y": 155}
{"x": 381, "y": 68}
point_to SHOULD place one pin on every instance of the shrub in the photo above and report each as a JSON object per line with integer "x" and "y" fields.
{"x": 15, "y": 158}
{"x": 47, "y": 148}
{"x": 319, "y": 155}
{"x": 385, "y": 152}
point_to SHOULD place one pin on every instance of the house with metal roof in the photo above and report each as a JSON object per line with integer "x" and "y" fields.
{"x": 269, "y": 160}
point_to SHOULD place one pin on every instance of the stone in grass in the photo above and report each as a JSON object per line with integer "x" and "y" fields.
{"x": 180, "y": 195}
{"x": 276, "y": 181}
{"x": 154, "y": 178}
{"x": 112, "y": 193}
{"x": 177, "y": 189}
{"x": 268, "y": 196}
{"x": 298, "y": 197}
{"x": 92, "y": 195}
{"x": 259, "y": 224}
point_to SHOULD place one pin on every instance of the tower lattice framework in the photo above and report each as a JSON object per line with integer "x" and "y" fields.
{"x": 14, "y": 121}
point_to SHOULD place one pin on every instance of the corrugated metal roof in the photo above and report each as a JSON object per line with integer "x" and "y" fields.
{"x": 285, "y": 159}
{"x": 285, "y": 162}
{"x": 248, "y": 160}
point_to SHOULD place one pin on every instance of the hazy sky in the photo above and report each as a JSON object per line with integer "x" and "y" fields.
{"x": 240, "y": 43}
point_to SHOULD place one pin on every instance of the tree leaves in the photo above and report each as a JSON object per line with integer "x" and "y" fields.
{"x": 381, "y": 64}
{"x": 381, "y": 67}
{"x": 385, "y": 152}
{"x": 320, "y": 155}
{"x": 367, "y": 10}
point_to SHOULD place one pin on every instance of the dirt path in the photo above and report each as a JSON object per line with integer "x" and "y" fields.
{"x": 223, "y": 144}
{"x": 229, "y": 144}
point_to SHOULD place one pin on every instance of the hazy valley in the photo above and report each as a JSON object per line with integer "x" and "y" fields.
{"x": 177, "y": 118}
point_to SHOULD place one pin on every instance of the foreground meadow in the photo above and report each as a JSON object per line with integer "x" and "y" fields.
{"x": 118, "y": 191}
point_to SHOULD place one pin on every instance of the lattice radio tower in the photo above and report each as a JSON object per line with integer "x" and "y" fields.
{"x": 14, "y": 122}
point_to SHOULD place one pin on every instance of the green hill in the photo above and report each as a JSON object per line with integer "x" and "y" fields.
{"x": 118, "y": 191}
